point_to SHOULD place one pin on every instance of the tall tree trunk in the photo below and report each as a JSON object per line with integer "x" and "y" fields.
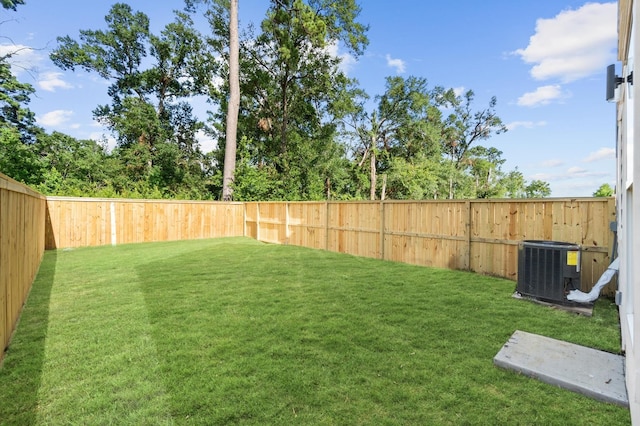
{"x": 372, "y": 192}
{"x": 327, "y": 185}
{"x": 451, "y": 186}
{"x": 284, "y": 86}
{"x": 383, "y": 192}
{"x": 234, "y": 104}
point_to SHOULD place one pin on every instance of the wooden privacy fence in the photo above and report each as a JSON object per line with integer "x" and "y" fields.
{"x": 477, "y": 235}
{"x": 22, "y": 222}
{"x": 81, "y": 222}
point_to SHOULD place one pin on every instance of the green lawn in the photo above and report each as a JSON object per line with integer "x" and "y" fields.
{"x": 235, "y": 331}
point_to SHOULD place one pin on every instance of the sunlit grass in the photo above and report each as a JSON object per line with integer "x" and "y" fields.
{"x": 235, "y": 331}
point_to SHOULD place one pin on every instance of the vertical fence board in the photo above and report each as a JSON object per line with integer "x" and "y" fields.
{"x": 354, "y": 228}
{"x": 307, "y": 224}
{"x": 251, "y": 220}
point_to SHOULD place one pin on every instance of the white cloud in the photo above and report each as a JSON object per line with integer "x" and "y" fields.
{"x": 573, "y": 181}
{"x": 49, "y": 81}
{"x": 573, "y": 44}
{"x": 347, "y": 61}
{"x": 55, "y": 118}
{"x": 398, "y": 64}
{"x": 571, "y": 173}
{"x": 581, "y": 188}
{"x": 542, "y": 96}
{"x": 525, "y": 124}
{"x": 576, "y": 171}
{"x": 601, "y": 154}
{"x": 22, "y": 57}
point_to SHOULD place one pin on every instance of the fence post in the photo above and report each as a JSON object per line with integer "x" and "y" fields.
{"x": 382, "y": 211}
{"x": 467, "y": 230}
{"x": 112, "y": 208}
{"x": 326, "y": 226}
{"x": 286, "y": 223}
{"x": 258, "y": 221}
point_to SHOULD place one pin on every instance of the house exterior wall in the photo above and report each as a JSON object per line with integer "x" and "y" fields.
{"x": 628, "y": 200}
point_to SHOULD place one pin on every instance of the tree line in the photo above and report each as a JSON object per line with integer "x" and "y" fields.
{"x": 305, "y": 130}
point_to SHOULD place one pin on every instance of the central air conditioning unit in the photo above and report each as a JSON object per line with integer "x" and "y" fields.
{"x": 548, "y": 270}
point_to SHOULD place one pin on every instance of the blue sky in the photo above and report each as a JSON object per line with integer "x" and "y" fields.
{"x": 544, "y": 60}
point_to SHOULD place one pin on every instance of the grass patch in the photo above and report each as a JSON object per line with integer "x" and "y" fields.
{"x": 235, "y": 331}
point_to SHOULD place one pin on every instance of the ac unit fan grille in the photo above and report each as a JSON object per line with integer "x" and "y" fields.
{"x": 547, "y": 271}
{"x": 539, "y": 273}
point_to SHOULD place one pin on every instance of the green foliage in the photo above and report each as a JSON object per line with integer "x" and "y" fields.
{"x": 305, "y": 129}
{"x": 14, "y": 97}
{"x": 71, "y": 166}
{"x": 537, "y": 189}
{"x": 17, "y": 159}
{"x": 292, "y": 93}
{"x": 256, "y": 183}
{"x": 514, "y": 184}
{"x": 605, "y": 190}
{"x": 113, "y": 54}
{"x": 416, "y": 180}
{"x": 465, "y": 127}
{"x": 11, "y": 4}
{"x": 401, "y": 131}
{"x": 156, "y": 131}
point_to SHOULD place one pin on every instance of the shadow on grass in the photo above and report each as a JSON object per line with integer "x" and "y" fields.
{"x": 184, "y": 335}
{"x": 21, "y": 371}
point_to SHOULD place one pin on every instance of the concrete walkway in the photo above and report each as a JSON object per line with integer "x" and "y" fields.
{"x": 594, "y": 373}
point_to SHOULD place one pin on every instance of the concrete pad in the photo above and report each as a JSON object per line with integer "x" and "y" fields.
{"x": 591, "y": 372}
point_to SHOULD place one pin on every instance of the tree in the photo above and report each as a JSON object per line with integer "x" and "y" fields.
{"x": 401, "y": 132}
{"x": 234, "y": 103}
{"x": 417, "y": 179}
{"x": 72, "y": 166}
{"x": 485, "y": 168}
{"x": 537, "y": 189}
{"x": 14, "y": 97}
{"x": 153, "y": 123}
{"x": 514, "y": 184}
{"x": 605, "y": 190}
{"x": 296, "y": 91}
{"x": 463, "y": 128}
{"x": 291, "y": 93}
{"x": 18, "y": 158}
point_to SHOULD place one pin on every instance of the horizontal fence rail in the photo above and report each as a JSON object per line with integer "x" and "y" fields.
{"x": 22, "y": 228}
{"x": 82, "y": 222}
{"x": 477, "y": 235}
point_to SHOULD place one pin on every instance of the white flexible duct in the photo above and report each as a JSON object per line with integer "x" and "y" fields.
{"x": 581, "y": 297}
